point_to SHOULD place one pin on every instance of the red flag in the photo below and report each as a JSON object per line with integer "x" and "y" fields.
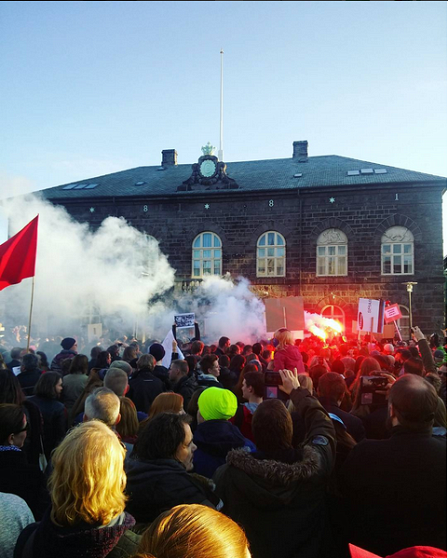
{"x": 18, "y": 256}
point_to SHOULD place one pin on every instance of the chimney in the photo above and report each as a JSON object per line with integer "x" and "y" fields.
{"x": 169, "y": 157}
{"x": 300, "y": 151}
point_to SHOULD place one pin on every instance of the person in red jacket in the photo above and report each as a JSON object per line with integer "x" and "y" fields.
{"x": 287, "y": 356}
{"x": 253, "y": 392}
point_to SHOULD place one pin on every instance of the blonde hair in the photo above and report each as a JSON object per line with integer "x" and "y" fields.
{"x": 194, "y": 531}
{"x": 88, "y": 479}
{"x": 284, "y": 337}
{"x": 128, "y": 424}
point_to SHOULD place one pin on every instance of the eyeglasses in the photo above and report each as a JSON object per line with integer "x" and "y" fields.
{"x": 26, "y": 427}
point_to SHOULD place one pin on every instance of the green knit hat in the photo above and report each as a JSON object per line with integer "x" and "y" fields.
{"x": 217, "y": 403}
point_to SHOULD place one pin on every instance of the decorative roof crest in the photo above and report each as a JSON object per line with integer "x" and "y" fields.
{"x": 208, "y": 149}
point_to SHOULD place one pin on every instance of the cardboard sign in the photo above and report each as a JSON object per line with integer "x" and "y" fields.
{"x": 94, "y": 332}
{"x": 167, "y": 344}
{"x": 392, "y": 313}
{"x": 370, "y": 315}
{"x": 285, "y": 312}
{"x": 184, "y": 320}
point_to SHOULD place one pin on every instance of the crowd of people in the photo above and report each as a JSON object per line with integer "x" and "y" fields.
{"x": 277, "y": 449}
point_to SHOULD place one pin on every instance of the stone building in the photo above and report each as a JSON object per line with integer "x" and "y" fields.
{"x": 329, "y": 228}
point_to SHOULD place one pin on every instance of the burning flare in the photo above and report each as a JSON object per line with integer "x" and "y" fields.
{"x": 318, "y": 332}
{"x": 320, "y": 326}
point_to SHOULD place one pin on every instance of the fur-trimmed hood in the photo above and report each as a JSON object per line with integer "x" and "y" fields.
{"x": 276, "y": 472}
{"x": 273, "y": 484}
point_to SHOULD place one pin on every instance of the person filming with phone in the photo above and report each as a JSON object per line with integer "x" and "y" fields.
{"x": 396, "y": 488}
{"x": 281, "y": 488}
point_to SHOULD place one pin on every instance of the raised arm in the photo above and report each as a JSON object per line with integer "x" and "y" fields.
{"x": 320, "y": 432}
{"x": 425, "y": 350}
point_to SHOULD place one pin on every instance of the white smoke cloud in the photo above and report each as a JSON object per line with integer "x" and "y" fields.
{"x": 114, "y": 270}
{"x": 233, "y": 310}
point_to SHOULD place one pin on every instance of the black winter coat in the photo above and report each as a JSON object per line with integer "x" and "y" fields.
{"x": 161, "y": 372}
{"x": 186, "y": 386}
{"x": 280, "y": 502}
{"x": 354, "y": 424}
{"x": 54, "y": 415}
{"x": 158, "y": 485}
{"x": 143, "y": 389}
{"x": 396, "y": 492}
{"x": 214, "y": 439}
{"x": 24, "y": 480}
{"x": 28, "y": 379}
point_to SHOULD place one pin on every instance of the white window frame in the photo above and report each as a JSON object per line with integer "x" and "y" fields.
{"x": 213, "y": 261}
{"x": 336, "y": 313}
{"x": 397, "y": 248}
{"x": 332, "y": 254}
{"x": 271, "y": 254}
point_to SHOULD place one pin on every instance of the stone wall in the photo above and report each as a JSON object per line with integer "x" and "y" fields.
{"x": 240, "y": 218}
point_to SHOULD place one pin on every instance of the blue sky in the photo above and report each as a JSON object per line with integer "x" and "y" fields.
{"x": 89, "y": 88}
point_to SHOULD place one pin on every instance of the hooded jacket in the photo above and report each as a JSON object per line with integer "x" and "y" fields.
{"x": 280, "y": 502}
{"x": 56, "y": 363}
{"x": 290, "y": 357}
{"x": 214, "y": 439}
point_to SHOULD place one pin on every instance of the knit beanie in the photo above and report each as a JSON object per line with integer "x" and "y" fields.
{"x": 157, "y": 351}
{"x": 439, "y": 356}
{"x": 216, "y": 403}
{"x": 68, "y": 343}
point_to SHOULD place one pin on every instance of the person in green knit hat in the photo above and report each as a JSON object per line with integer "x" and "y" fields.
{"x": 215, "y": 436}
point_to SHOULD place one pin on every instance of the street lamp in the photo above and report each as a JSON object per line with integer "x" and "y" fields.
{"x": 410, "y": 288}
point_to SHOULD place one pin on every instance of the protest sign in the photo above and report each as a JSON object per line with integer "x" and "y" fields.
{"x": 370, "y": 315}
{"x": 184, "y": 320}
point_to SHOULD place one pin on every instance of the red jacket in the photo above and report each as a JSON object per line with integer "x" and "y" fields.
{"x": 289, "y": 358}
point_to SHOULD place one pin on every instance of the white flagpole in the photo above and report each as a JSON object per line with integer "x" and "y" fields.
{"x": 221, "y": 141}
{"x": 31, "y": 313}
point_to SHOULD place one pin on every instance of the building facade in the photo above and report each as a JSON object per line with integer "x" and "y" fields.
{"x": 329, "y": 228}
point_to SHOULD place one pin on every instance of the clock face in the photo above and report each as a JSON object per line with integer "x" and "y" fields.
{"x": 208, "y": 168}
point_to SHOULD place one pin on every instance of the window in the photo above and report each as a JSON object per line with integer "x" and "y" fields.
{"x": 334, "y": 313}
{"x": 331, "y": 253}
{"x": 271, "y": 255}
{"x": 207, "y": 255}
{"x": 397, "y": 252}
{"x": 147, "y": 254}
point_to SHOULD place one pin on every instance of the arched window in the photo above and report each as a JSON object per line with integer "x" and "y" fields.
{"x": 271, "y": 255}
{"x": 334, "y": 313}
{"x": 331, "y": 253}
{"x": 207, "y": 255}
{"x": 397, "y": 252}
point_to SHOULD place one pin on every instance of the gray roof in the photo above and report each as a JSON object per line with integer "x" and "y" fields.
{"x": 264, "y": 175}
